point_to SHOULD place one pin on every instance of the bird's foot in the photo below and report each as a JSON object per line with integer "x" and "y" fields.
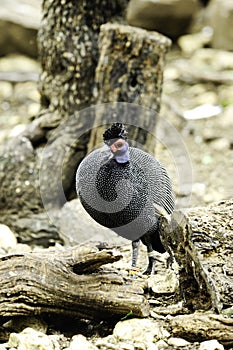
{"x": 134, "y": 271}
{"x": 150, "y": 270}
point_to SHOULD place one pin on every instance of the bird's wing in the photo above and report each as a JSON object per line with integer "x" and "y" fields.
{"x": 159, "y": 183}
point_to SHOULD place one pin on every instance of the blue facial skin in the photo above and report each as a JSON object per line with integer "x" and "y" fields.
{"x": 121, "y": 154}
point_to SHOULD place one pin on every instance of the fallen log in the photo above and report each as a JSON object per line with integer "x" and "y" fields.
{"x": 68, "y": 282}
{"x": 201, "y": 240}
{"x": 203, "y": 326}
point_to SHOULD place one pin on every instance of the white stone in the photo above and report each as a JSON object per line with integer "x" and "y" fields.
{"x": 30, "y": 339}
{"x": 178, "y": 342}
{"x": 152, "y": 346}
{"x": 221, "y": 144}
{"x": 161, "y": 344}
{"x": 164, "y": 283}
{"x": 4, "y": 346}
{"x": 7, "y": 238}
{"x": 191, "y": 42}
{"x": 80, "y": 342}
{"x": 126, "y": 346}
{"x": 140, "y": 330}
{"x": 211, "y": 345}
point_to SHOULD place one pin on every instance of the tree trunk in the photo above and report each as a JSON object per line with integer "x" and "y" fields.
{"x": 201, "y": 241}
{"x": 68, "y": 42}
{"x": 69, "y": 282}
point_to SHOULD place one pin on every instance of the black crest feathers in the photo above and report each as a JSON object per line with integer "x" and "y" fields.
{"x": 116, "y": 131}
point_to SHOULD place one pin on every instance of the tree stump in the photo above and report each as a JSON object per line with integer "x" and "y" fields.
{"x": 69, "y": 282}
{"x": 201, "y": 241}
{"x": 130, "y": 69}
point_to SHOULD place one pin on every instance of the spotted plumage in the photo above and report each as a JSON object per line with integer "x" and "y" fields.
{"x": 119, "y": 185}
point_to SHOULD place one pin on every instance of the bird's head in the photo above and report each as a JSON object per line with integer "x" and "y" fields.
{"x": 115, "y": 138}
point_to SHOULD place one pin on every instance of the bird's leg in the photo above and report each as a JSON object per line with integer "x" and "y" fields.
{"x": 135, "y": 246}
{"x": 150, "y": 270}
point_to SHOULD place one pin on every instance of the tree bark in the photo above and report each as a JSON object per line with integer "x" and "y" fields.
{"x": 69, "y": 282}
{"x": 201, "y": 241}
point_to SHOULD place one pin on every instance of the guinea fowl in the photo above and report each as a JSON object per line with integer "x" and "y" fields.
{"x": 120, "y": 187}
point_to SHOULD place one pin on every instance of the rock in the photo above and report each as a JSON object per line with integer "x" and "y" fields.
{"x": 36, "y": 228}
{"x": 211, "y": 345}
{"x": 161, "y": 344}
{"x": 76, "y": 226}
{"x": 191, "y": 42}
{"x": 126, "y": 346}
{"x": 165, "y": 283}
{"x": 17, "y": 191}
{"x": 30, "y": 339}
{"x": 219, "y": 15}
{"x": 6, "y": 89}
{"x": 23, "y": 63}
{"x": 20, "y": 248}
{"x": 7, "y": 238}
{"x": 220, "y": 144}
{"x": 225, "y": 124}
{"x": 20, "y": 323}
{"x": 177, "y": 342}
{"x": 3, "y": 346}
{"x": 111, "y": 342}
{"x": 80, "y": 342}
{"x": 170, "y": 17}
{"x": 140, "y": 330}
{"x": 19, "y": 22}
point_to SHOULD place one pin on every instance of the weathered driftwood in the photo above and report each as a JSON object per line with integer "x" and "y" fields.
{"x": 203, "y": 326}
{"x": 69, "y": 282}
{"x": 201, "y": 241}
{"x": 130, "y": 69}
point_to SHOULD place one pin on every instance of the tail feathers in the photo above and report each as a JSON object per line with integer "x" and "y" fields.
{"x": 160, "y": 211}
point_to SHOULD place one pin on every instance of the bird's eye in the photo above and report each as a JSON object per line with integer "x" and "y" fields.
{"x": 119, "y": 145}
